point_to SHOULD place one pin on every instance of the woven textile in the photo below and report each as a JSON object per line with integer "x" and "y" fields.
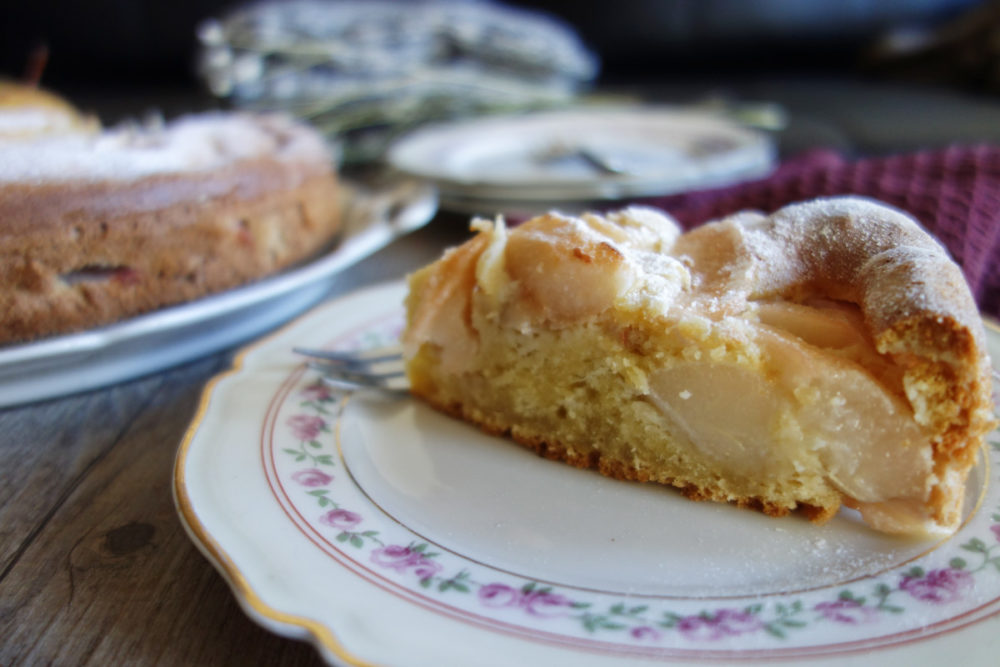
{"x": 954, "y": 193}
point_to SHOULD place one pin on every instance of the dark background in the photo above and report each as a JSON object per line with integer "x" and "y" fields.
{"x": 149, "y": 42}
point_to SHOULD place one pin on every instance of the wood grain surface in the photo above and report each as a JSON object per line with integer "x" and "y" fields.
{"x": 95, "y": 567}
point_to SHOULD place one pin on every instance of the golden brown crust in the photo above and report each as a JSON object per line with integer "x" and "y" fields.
{"x": 78, "y": 255}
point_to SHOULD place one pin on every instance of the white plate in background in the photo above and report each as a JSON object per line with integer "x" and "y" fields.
{"x": 545, "y": 156}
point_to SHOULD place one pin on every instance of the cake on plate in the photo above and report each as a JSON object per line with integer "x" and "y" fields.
{"x": 97, "y": 226}
{"x": 828, "y": 354}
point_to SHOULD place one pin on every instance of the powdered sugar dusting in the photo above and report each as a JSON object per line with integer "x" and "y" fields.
{"x": 843, "y": 248}
{"x": 195, "y": 143}
{"x": 861, "y": 251}
{"x": 15, "y": 123}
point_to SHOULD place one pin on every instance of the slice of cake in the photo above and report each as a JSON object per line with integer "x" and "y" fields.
{"x": 97, "y": 226}
{"x": 827, "y": 354}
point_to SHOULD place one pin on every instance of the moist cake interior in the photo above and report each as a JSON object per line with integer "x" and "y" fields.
{"x": 757, "y": 360}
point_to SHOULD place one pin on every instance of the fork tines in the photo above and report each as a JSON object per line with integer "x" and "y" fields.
{"x": 380, "y": 368}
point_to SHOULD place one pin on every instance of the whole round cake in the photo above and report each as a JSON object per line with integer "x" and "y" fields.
{"x": 100, "y": 226}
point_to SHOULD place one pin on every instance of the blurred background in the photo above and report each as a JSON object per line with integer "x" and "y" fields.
{"x": 863, "y": 76}
{"x": 154, "y": 41}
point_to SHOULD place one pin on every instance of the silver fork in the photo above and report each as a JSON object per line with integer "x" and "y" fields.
{"x": 379, "y": 369}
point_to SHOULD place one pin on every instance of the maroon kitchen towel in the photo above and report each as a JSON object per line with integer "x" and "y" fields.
{"x": 953, "y": 192}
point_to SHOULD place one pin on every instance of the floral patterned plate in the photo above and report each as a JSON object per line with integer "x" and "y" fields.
{"x": 388, "y": 534}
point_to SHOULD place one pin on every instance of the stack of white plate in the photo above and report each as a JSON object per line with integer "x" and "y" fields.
{"x": 572, "y": 159}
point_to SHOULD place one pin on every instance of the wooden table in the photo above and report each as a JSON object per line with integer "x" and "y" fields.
{"x": 95, "y": 567}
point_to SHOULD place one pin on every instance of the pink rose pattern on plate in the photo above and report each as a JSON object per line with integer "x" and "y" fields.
{"x": 312, "y": 477}
{"x": 307, "y": 429}
{"x": 643, "y": 623}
